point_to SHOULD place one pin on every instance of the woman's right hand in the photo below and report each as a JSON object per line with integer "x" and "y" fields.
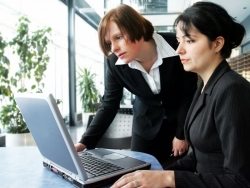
{"x": 146, "y": 178}
{"x": 79, "y": 147}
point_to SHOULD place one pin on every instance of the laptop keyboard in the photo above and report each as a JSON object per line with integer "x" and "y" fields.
{"x": 96, "y": 167}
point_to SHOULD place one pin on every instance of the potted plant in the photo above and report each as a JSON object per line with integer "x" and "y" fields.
{"x": 30, "y": 48}
{"x": 88, "y": 93}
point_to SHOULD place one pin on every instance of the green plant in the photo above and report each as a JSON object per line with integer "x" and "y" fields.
{"x": 30, "y": 48}
{"x": 87, "y": 89}
{"x": 4, "y": 67}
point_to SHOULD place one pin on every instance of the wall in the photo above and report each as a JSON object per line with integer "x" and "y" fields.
{"x": 247, "y": 27}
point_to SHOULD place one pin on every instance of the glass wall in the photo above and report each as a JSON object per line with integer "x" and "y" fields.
{"x": 54, "y": 14}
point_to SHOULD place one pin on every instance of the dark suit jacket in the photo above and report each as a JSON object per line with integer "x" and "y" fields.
{"x": 218, "y": 130}
{"x": 177, "y": 90}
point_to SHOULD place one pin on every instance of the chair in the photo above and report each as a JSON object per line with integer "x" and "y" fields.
{"x": 119, "y": 133}
{"x": 2, "y": 140}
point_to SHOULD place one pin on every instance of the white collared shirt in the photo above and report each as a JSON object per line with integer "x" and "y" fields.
{"x": 164, "y": 50}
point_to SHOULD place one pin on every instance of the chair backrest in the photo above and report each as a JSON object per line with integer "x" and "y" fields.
{"x": 2, "y": 140}
{"x": 119, "y": 133}
{"x": 120, "y": 127}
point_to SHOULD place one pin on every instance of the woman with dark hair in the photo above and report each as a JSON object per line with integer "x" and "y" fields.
{"x": 217, "y": 126}
{"x": 146, "y": 65}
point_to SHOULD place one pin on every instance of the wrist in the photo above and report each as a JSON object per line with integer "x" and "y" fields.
{"x": 170, "y": 179}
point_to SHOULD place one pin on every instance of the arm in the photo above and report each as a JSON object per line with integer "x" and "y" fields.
{"x": 110, "y": 103}
{"x": 146, "y": 178}
{"x": 187, "y": 163}
{"x": 232, "y": 123}
{"x": 188, "y": 86}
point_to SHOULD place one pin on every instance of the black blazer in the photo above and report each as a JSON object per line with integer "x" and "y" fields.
{"x": 218, "y": 130}
{"x": 177, "y": 90}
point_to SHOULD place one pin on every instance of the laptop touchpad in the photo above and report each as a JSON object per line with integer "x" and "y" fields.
{"x": 114, "y": 156}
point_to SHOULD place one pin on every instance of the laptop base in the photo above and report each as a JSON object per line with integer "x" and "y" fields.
{"x": 79, "y": 184}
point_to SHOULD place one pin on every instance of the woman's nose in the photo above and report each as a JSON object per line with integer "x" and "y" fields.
{"x": 180, "y": 49}
{"x": 114, "y": 47}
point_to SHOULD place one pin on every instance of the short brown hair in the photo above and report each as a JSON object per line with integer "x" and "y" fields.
{"x": 129, "y": 21}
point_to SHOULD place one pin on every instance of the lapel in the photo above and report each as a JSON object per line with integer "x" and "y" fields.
{"x": 199, "y": 99}
{"x": 197, "y": 104}
{"x": 132, "y": 78}
{"x": 137, "y": 81}
{"x": 135, "y": 77}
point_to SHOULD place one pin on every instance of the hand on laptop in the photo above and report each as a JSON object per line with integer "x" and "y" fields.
{"x": 146, "y": 178}
{"x": 79, "y": 147}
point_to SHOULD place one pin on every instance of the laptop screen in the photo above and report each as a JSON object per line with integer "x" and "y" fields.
{"x": 40, "y": 120}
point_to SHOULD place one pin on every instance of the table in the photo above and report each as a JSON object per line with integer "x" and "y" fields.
{"x": 22, "y": 167}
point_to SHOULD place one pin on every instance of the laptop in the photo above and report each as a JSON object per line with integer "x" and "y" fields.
{"x": 54, "y": 142}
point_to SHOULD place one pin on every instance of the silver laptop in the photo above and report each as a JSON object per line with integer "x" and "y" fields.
{"x": 51, "y": 135}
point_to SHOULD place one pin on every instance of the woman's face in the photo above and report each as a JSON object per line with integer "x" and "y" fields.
{"x": 120, "y": 44}
{"x": 196, "y": 52}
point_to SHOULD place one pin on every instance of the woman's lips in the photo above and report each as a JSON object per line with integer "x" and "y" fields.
{"x": 184, "y": 60}
{"x": 121, "y": 54}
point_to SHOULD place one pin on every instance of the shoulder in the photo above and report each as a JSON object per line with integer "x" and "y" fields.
{"x": 232, "y": 84}
{"x": 112, "y": 59}
{"x": 232, "y": 78}
{"x": 111, "y": 62}
{"x": 113, "y": 69}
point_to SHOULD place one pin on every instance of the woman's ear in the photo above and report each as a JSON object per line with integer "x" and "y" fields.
{"x": 219, "y": 43}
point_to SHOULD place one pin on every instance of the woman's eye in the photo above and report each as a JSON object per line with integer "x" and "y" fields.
{"x": 190, "y": 41}
{"x": 119, "y": 37}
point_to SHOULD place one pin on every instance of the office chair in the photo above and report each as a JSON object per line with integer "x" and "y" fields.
{"x": 119, "y": 133}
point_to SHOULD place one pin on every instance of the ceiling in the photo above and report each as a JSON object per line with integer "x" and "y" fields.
{"x": 239, "y": 9}
{"x": 161, "y": 13}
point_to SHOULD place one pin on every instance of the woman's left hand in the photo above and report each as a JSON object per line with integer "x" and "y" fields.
{"x": 146, "y": 178}
{"x": 179, "y": 146}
